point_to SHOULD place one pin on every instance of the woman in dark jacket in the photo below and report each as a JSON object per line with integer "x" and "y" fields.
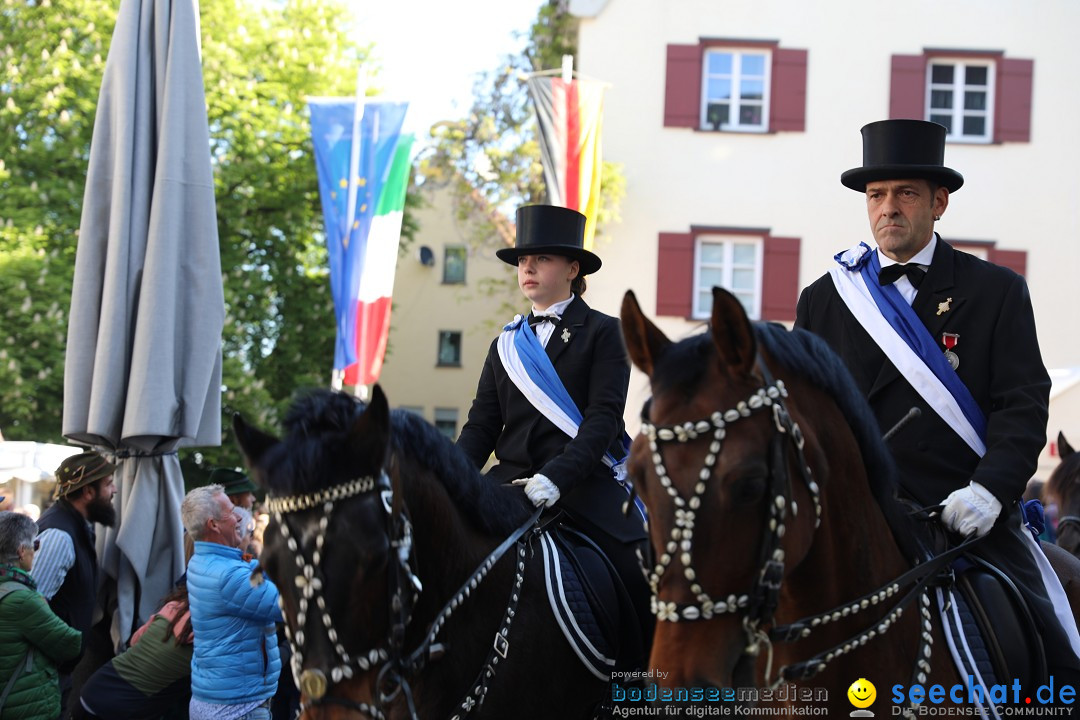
{"x": 563, "y": 465}
{"x": 32, "y": 638}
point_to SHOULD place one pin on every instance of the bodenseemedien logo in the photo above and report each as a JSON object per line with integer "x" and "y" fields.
{"x": 862, "y": 694}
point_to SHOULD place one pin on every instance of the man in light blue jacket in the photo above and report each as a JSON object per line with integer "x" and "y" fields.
{"x": 236, "y": 663}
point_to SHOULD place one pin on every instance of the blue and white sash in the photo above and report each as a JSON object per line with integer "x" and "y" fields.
{"x": 894, "y": 326}
{"x": 530, "y": 369}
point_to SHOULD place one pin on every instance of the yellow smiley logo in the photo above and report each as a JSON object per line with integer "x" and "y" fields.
{"x": 862, "y": 693}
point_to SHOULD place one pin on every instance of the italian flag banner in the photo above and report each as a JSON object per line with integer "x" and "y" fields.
{"x": 377, "y": 277}
{"x": 570, "y": 115}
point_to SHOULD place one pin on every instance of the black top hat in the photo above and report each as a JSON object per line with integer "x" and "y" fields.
{"x": 900, "y": 149}
{"x": 552, "y": 230}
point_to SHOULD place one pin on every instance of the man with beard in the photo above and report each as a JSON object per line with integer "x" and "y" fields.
{"x": 66, "y": 567}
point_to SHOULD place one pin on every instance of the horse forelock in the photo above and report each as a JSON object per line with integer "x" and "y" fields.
{"x": 683, "y": 366}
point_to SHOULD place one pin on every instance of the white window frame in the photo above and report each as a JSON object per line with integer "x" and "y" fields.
{"x": 736, "y": 100}
{"x": 697, "y": 311}
{"x": 957, "y": 88}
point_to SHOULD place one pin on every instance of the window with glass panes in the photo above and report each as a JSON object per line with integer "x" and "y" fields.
{"x": 735, "y": 90}
{"x": 446, "y": 420}
{"x": 960, "y": 97}
{"x": 453, "y": 265}
{"x": 731, "y": 263}
{"x": 449, "y": 348}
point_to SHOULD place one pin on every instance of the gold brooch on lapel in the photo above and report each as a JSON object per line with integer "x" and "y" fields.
{"x": 944, "y": 307}
{"x": 565, "y": 335}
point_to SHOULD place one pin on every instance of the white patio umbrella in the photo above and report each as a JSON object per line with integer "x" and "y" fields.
{"x": 143, "y": 365}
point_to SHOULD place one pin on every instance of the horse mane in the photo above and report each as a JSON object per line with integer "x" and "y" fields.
{"x": 682, "y": 368}
{"x": 488, "y": 506}
{"x": 319, "y": 419}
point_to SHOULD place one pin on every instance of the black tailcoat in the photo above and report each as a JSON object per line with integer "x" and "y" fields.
{"x": 589, "y": 356}
{"x": 989, "y": 308}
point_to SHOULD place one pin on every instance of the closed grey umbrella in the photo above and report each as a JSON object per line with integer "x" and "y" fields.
{"x": 142, "y": 374}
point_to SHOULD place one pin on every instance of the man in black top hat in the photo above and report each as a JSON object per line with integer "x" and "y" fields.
{"x": 922, "y": 325}
{"x": 586, "y": 350}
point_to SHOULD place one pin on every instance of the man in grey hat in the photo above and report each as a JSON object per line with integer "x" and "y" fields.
{"x": 66, "y": 566}
{"x": 923, "y": 326}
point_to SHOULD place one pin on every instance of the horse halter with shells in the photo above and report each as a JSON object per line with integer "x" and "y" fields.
{"x": 404, "y": 587}
{"x": 758, "y": 604}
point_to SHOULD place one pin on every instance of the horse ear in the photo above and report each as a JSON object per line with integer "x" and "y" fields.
{"x": 373, "y": 425}
{"x": 732, "y": 333}
{"x": 1064, "y": 448}
{"x": 253, "y": 442}
{"x": 644, "y": 341}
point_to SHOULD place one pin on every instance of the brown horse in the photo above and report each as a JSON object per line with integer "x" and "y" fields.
{"x": 384, "y": 542}
{"x": 780, "y": 550}
{"x": 1063, "y": 488}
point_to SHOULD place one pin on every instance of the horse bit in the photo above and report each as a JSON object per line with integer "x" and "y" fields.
{"x": 405, "y": 588}
{"x": 761, "y": 602}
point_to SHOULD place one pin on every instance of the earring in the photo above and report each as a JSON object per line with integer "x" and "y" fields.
{"x": 937, "y": 217}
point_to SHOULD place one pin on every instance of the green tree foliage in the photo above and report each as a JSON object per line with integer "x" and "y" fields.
{"x": 491, "y": 158}
{"x": 260, "y": 63}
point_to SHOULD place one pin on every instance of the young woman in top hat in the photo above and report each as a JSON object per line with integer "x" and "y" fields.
{"x": 585, "y": 348}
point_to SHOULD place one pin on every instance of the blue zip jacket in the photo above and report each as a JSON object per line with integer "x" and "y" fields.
{"x": 236, "y": 657}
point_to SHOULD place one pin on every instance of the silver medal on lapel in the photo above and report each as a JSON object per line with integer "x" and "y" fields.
{"x": 949, "y": 340}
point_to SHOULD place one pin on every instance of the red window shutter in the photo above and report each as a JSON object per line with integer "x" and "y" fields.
{"x": 1012, "y": 114}
{"x": 682, "y": 91}
{"x": 907, "y": 94}
{"x": 1015, "y": 260}
{"x": 675, "y": 274}
{"x": 787, "y": 103}
{"x": 780, "y": 279}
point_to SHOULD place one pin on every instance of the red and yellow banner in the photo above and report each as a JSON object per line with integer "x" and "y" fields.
{"x": 569, "y": 115}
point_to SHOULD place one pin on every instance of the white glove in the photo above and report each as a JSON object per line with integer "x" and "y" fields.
{"x": 539, "y": 490}
{"x": 970, "y": 510}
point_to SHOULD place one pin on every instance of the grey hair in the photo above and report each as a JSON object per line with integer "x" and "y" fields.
{"x": 246, "y": 523}
{"x": 16, "y": 532}
{"x": 199, "y": 506}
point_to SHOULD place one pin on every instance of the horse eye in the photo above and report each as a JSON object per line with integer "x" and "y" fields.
{"x": 747, "y": 490}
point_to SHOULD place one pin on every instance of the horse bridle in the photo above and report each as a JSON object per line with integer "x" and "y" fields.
{"x": 404, "y": 589}
{"x": 759, "y": 605}
{"x": 403, "y": 585}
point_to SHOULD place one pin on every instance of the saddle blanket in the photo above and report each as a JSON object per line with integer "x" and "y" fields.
{"x": 570, "y": 602}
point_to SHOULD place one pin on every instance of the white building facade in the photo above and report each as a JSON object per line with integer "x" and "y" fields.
{"x": 733, "y": 121}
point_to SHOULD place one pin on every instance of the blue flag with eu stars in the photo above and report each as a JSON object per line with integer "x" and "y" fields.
{"x": 332, "y": 122}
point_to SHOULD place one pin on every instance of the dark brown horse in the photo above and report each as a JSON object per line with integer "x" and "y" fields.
{"x": 380, "y": 541}
{"x": 1063, "y": 488}
{"x": 773, "y": 519}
